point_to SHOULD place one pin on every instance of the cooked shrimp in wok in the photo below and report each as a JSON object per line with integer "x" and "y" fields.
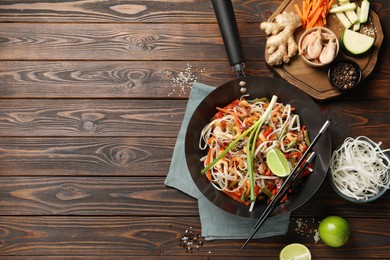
{"x": 230, "y": 174}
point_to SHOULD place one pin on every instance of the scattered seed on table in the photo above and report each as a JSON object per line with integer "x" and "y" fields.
{"x": 302, "y": 228}
{"x": 181, "y": 83}
{"x": 191, "y": 239}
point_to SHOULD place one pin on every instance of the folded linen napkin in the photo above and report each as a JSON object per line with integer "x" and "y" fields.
{"x": 216, "y": 223}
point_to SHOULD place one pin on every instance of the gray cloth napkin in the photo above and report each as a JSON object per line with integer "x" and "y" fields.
{"x": 216, "y": 223}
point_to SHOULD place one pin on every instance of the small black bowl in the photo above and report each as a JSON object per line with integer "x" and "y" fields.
{"x": 344, "y": 74}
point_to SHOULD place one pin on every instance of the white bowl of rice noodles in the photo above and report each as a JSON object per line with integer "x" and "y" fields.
{"x": 360, "y": 170}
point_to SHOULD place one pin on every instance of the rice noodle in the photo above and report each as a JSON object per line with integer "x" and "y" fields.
{"x": 283, "y": 130}
{"x": 359, "y": 168}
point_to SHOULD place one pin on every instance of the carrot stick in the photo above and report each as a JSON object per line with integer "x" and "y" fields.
{"x": 211, "y": 139}
{"x": 309, "y": 6}
{"x": 299, "y": 12}
{"x": 324, "y": 13}
{"x": 314, "y": 19}
{"x": 330, "y": 4}
{"x": 268, "y": 132}
{"x": 304, "y": 13}
{"x": 319, "y": 23}
{"x": 229, "y": 112}
{"x": 328, "y": 7}
{"x": 208, "y": 159}
{"x": 248, "y": 188}
{"x": 316, "y": 7}
{"x": 208, "y": 174}
{"x": 233, "y": 196}
{"x": 312, "y": 11}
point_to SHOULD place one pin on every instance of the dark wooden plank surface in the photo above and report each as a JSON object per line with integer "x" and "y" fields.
{"x": 91, "y": 103}
{"x": 154, "y": 236}
{"x": 138, "y": 79}
{"x": 122, "y": 41}
{"x": 155, "y": 11}
{"x": 122, "y": 117}
{"x": 132, "y": 196}
{"x": 111, "y": 79}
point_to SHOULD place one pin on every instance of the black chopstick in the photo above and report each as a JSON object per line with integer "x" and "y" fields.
{"x": 282, "y": 191}
{"x": 287, "y": 183}
{"x": 279, "y": 195}
{"x": 298, "y": 165}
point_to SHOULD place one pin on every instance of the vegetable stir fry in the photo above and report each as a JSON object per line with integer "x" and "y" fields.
{"x": 237, "y": 141}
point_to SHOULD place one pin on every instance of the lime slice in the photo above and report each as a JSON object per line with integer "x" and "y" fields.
{"x": 295, "y": 251}
{"x": 278, "y": 163}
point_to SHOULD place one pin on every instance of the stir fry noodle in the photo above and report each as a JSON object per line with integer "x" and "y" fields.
{"x": 243, "y": 172}
{"x": 360, "y": 168}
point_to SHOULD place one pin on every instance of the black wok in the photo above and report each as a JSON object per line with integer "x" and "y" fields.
{"x": 256, "y": 87}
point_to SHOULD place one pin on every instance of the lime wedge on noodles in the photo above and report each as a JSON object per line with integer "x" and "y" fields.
{"x": 278, "y": 163}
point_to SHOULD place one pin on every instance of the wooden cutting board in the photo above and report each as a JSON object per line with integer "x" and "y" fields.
{"x": 314, "y": 81}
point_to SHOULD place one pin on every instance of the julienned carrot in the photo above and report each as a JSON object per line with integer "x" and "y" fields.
{"x": 268, "y": 132}
{"x": 233, "y": 196}
{"x": 208, "y": 159}
{"x": 317, "y": 5}
{"x": 234, "y": 114}
{"x": 314, "y": 12}
{"x": 313, "y": 21}
{"x": 324, "y": 14}
{"x": 305, "y": 12}
{"x": 299, "y": 12}
{"x": 230, "y": 112}
{"x": 211, "y": 139}
{"x": 330, "y": 4}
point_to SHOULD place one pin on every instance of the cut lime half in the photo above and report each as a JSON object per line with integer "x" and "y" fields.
{"x": 295, "y": 251}
{"x": 278, "y": 163}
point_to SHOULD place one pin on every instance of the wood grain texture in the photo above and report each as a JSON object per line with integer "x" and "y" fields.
{"x": 114, "y": 156}
{"x": 114, "y": 79}
{"x": 355, "y": 118}
{"x": 121, "y": 117}
{"x": 92, "y": 117}
{"x": 140, "y": 196}
{"x": 94, "y": 196}
{"x": 90, "y": 109}
{"x": 122, "y": 42}
{"x": 178, "y": 11}
{"x": 135, "y": 236}
{"x": 138, "y": 79}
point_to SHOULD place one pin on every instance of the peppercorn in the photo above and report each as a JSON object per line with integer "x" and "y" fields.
{"x": 344, "y": 75}
{"x": 190, "y": 239}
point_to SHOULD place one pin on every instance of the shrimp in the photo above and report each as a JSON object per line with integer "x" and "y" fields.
{"x": 315, "y": 47}
{"x": 306, "y": 41}
{"x": 328, "y": 52}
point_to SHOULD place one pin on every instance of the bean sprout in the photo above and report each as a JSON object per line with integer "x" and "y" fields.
{"x": 359, "y": 168}
{"x": 231, "y": 173}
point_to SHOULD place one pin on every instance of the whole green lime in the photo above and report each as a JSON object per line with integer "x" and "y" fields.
{"x": 334, "y": 231}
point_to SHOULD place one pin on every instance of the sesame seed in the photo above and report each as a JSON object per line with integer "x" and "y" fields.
{"x": 181, "y": 83}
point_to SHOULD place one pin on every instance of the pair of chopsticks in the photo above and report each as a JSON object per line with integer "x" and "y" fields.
{"x": 290, "y": 180}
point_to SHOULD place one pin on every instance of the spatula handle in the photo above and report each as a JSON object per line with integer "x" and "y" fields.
{"x": 231, "y": 37}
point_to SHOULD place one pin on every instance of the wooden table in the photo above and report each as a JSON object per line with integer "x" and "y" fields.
{"x": 92, "y": 100}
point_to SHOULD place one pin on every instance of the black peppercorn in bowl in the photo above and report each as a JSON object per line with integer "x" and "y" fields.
{"x": 344, "y": 74}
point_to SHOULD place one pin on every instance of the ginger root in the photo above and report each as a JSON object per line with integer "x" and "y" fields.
{"x": 281, "y": 46}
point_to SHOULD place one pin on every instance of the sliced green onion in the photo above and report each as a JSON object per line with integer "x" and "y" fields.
{"x": 250, "y": 147}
